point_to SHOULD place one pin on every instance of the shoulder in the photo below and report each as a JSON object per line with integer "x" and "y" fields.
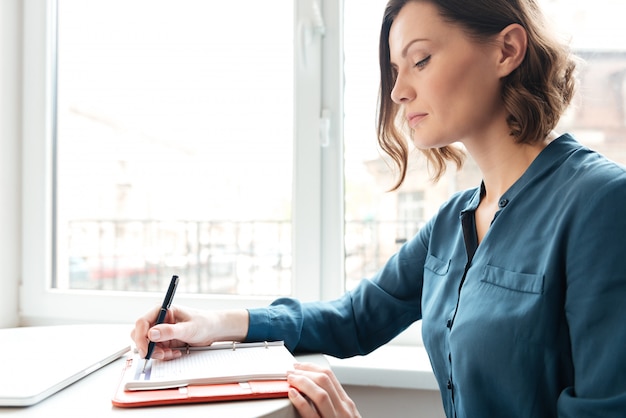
{"x": 584, "y": 159}
{"x": 589, "y": 190}
{"x": 588, "y": 174}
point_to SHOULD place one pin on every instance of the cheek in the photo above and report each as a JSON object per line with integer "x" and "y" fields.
{"x": 464, "y": 90}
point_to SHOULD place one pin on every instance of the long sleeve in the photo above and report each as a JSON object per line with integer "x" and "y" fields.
{"x": 595, "y": 304}
{"x": 359, "y": 321}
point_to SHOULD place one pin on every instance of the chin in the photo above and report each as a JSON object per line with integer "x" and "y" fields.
{"x": 426, "y": 145}
{"x": 421, "y": 142}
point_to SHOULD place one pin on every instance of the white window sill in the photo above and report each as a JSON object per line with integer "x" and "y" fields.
{"x": 391, "y": 366}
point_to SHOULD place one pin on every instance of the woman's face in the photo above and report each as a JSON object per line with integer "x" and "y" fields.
{"x": 446, "y": 84}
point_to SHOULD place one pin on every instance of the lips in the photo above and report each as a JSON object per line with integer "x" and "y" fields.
{"x": 415, "y": 118}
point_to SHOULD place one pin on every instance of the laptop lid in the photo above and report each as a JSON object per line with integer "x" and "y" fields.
{"x": 36, "y": 362}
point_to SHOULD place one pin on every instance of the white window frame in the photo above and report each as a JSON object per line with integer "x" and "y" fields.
{"x": 317, "y": 218}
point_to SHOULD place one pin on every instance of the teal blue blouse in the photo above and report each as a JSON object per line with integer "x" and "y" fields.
{"x": 530, "y": 323}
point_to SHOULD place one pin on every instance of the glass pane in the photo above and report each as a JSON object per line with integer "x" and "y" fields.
{"x": 597, "y": 116}
{"x": 378, "y": 222}
{"x": 174, "y": 145}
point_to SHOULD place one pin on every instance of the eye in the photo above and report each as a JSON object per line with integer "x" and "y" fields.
{"x": 421, "y": 64}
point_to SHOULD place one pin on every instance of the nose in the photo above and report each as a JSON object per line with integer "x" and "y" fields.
{"x": 402, "y": 91}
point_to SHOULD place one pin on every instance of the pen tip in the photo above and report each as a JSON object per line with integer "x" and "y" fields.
{"x": 145, "y": 363}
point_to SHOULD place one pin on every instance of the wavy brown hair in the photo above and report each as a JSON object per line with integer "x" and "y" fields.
{"x": 535, "y": 95}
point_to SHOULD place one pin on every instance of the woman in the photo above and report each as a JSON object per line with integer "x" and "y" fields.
{"x": 521, "y": 282}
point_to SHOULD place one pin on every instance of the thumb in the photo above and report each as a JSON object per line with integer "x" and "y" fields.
{"x": 167, "y": 332}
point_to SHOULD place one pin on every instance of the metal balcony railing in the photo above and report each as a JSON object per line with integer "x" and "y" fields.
{"x": 217, "y": 257}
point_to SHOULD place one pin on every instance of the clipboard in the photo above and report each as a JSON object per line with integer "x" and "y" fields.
{"x": 195, "y": 393}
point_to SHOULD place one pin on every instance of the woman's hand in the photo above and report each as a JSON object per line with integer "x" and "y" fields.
{"x": 316, "y": 393}
{"x": 186, "y": 326}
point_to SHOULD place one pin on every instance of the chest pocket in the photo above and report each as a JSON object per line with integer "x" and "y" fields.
{"x": 519, "y": 282}
{"x": 437, "y": 266}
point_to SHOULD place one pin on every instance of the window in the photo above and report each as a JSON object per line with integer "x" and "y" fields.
{"x": 152, "y": 162}
{"x": 171, "y": 138}
{"x": 174, "y": 146}
{"x": 411, "y": 211}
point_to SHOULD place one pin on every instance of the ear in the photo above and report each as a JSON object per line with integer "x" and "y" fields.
{"x": 512, "y": 43}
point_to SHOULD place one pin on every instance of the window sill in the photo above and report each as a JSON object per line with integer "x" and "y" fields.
{"x": 391, "y": 366}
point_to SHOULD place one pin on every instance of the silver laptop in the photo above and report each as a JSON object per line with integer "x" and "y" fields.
{"x": 36, "y": 362}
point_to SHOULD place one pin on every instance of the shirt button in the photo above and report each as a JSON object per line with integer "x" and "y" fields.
{"x": 449, "y": 385}
{"x": 503, "y": 202}
{"x": 450, "y": 357}
{"x": 449, "y": 323}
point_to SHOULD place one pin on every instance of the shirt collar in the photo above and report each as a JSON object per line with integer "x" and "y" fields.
{"x": 548, "y": 159}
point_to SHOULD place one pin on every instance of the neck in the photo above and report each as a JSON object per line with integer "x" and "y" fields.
{"x": 503, "y": 161}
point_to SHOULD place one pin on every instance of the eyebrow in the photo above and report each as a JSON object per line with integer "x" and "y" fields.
{"x": 405, "y": 50}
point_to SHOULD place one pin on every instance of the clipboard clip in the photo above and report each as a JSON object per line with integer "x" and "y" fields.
{"x": 265, "y": 344}
{"x": 232, "y": 345}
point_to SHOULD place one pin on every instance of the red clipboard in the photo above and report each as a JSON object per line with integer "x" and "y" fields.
{"x": 196, "y": 393}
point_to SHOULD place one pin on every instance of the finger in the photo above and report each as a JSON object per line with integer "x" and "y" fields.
{"x": 342, "y": 404}
{"x": 168, "y": 338}
{"x": 165, "y": 353}
{"x": 302, "y": 405}
{"x": 178, "y": 334}
{"x": 318, "y": 388}
{"x": 341, "y": 393}
{"x": 140, "y": 333}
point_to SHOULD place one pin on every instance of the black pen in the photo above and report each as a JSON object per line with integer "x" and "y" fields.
{"x": 169, "y": 296}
